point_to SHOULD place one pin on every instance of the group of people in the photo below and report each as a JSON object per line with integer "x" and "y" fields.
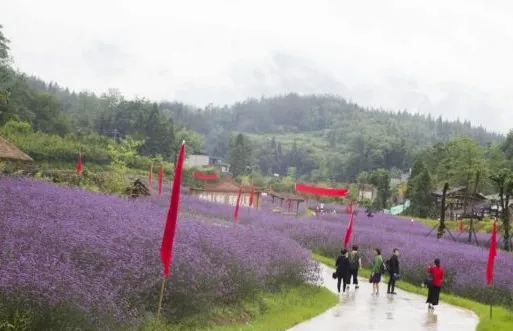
{"x": 349, "y": 262}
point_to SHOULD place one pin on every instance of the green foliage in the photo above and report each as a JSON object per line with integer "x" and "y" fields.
{"x": 418, "y": 190}
{"x": 45, "y": 147}
{"x": 120, "y": 154}
{"x": 24, "y": 316}
{"x": 239, "y": 155}
{"x": 381, "y": 179}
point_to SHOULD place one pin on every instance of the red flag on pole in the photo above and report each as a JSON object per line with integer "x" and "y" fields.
{"x": 80, "y": 166}
{"x": 251, "y": 195}
{"x": 349, "y": 231}
{"x": 166, "y": 249}
{"x": 491, "y": 255}
{"x": 150, "y": 177}
{"x": 237, "y": 206}
{"x": 161, "y": 177}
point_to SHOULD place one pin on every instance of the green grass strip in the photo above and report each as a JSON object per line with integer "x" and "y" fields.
{"x": 268, "y": 312}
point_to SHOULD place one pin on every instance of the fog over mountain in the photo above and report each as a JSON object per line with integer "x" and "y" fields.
{"x": 449, "y": 58}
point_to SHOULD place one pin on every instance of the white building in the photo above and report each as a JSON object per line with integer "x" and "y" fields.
{"x": 203, "y": 160}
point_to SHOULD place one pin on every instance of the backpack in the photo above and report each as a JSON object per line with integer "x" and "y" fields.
{"x": 383, "y": 268}
{"x": 353, "y": 261}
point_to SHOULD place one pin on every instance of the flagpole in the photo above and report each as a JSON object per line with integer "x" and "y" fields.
{"x": 161, "y": 296}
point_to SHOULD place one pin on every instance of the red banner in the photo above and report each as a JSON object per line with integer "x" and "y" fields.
{"x": 80, "y": 165}
{"x": 161, "y": 178}
{"x": 168, "y": 238}
{"x": 321, "y": 191}
{"x": 349, "y": 230}
{"x": 203, "y": 176}
{"x": 237, "y": 206}
{"x": 492, "y": 253}
{"x": 251, "y": 195}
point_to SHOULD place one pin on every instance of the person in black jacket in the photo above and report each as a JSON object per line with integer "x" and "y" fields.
{"x": 393, "y": 271}
{"x": 342, "y": 265}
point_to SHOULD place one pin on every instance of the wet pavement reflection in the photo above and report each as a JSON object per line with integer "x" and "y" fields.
{"x": 359, "y": 310}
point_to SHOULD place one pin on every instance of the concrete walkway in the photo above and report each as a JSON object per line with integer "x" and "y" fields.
{"x": 359, "y": 310}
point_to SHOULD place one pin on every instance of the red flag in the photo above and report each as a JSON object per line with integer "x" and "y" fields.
{"x": 161, "y": 177}
{"x": 150, "y": 177}
{"x": 236, "y": 213}
{"x": 461, "y": 225}
{"x": 166, "y": 249}
{"x": 251, "y": 195}
{"x": 491, "y": 255}
{"x": 322, "y": 191}
{"x": 203, "y": 176}
{"x": 349, "y": 231}
{"x": 80, "y": 166}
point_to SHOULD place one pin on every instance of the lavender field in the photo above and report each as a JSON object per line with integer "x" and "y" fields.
{"x": 95, "y": 257}
{"x": 465, "y": 264}
{"x": 65, "y": 249}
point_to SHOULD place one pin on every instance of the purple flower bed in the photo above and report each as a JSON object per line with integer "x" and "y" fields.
{"x": 99, "y": 254}
{"x": 465, "y": 264}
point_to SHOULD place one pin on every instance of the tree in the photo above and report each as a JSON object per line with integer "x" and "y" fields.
{"x": 4, "y": 47}
{"x": 418, "y": 190}
{"x": 239, "y": 155}
{"x": 503, "y": 179}
{"x": 381, "y": 179}
{"x": 6, "y": 72}
{"x": 159, "y": 135}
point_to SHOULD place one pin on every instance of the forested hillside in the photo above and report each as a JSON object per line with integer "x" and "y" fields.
{"x": 317, "y": 137}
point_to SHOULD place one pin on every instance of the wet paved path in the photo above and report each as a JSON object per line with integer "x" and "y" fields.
{"x": 360, "y": 311}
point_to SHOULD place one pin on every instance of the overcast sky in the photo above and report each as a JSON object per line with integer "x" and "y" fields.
{"x": 449, "y": 57}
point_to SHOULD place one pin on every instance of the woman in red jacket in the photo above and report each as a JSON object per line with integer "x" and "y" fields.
{"x": 437, "y": 273}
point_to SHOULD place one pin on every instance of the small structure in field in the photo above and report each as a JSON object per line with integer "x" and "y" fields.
{"x": 137, "y": 189}
{"x": 285, "y": 202}
{"x": 9, "y": 152}
{"x": 460, "y": 202}
{"x": 226, "y": 191}
{"x": 366, "y": 192}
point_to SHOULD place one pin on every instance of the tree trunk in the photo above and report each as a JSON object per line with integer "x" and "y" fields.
{"x": 471, "y": 227}
{"x": 506, "y": 225}
{"x": 441, "y": 227}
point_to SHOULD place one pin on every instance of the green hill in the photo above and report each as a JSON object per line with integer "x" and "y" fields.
{"x": 323, "y": 137}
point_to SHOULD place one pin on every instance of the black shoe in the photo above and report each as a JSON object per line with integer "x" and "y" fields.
{"x": 393, "y": 293}
{"x": 356, "y": 287}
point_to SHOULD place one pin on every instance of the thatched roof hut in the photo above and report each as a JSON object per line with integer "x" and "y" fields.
{"x": 10, "y": 152}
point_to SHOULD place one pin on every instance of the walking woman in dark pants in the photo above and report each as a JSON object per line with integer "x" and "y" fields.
{"x": 355, "y": 263}
{"x": 435, "y": 285}
{"x": 393, "y": 271}
{"x": 342, "y": 265}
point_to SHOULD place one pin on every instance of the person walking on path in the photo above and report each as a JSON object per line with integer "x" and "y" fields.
{"x": 342, "y": 265}
{"x": 355, "y": 263}
{"x": 377, "y": 270}
{"x": 393, "y": 271}
{"x": 434, "y": 282}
